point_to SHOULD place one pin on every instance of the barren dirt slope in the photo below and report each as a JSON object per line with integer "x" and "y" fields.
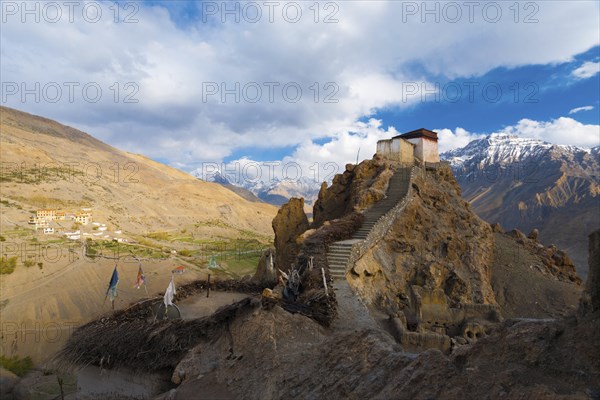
{"x": 46, "y": 164}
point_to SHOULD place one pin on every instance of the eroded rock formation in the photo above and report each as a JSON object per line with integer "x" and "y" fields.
{"x": 555, "y": 261}
{"x": 356, "y": 189}
{"x": 289, "y": 223}
{"x": 431, "y": 271}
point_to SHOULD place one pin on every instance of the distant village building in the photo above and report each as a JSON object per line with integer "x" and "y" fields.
{"x": 48, "y": 231}
{"x": 48, "y": 214}
{"x": 419, "y": 145}
{"x": 38, "y": 222}
{"x": 83, "y": 218}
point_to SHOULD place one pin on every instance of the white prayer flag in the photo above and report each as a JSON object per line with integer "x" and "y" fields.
{"x": 170, "y": 293}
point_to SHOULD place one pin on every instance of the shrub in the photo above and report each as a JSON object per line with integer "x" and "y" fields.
{"x": 185, "y": 253}
{"x": 7, "y": 266}
{"x": 16, "y": 365}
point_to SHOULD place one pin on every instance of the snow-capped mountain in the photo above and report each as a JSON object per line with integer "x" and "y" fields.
{"x": 503, "y": 148}
{"x": 274, "y": 191}
{"x": 528, "y": 183}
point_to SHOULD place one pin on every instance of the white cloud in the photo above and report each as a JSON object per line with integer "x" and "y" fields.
{"x": 586, "y": 70}
{"x": 312, "y": 161}
{"x": 562, "y": 130}
{"x": 367, "y": 66}
{"x": 450, "y": 140}
{"x": 578, "y": 109}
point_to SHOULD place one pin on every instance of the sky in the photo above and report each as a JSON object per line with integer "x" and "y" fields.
{"x": 313, "y": 84}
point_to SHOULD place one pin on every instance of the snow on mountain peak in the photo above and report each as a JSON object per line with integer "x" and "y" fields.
{"x": 503, "y": 148}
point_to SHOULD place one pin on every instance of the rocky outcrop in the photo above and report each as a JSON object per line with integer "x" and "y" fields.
{"x": 555, "y": 261}
{"x": 266, "y": 274}
{"x": 436, "y": 256}
{"x": 8, "y": 380}
{"x": 274, "y": 355}
{"x": 358, "y": 187}
{"x": 289, "y": 223}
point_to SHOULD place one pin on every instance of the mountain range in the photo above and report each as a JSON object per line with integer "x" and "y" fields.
{"x": 276, "y": 191}
{"x": 528, "y": 183}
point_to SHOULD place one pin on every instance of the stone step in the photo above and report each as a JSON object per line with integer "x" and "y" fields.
{"x": 338, "y": 258}
{"x": 337, "y": 244}
{"x": 340, "y": 249}
{"x": 339, "y": 253}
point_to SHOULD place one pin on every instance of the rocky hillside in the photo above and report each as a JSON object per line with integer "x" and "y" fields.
{"x": 527, "y": 183}
{"x": 46, "y": 164}
{"x": 437, "y": 268}
{"x": 270, "y": 353}
{"x": 444, "y": 306}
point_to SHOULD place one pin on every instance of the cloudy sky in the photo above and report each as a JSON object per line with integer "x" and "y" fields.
{"x": 189, "y": 83}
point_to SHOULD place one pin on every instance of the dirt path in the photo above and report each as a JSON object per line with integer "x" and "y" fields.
{"x": 352, "y": 313}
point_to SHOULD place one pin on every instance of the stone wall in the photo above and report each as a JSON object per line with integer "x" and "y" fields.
{"x": 397, "y": 150}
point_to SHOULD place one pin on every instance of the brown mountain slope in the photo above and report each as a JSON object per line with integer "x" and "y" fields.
{"x": 46, "y": 164}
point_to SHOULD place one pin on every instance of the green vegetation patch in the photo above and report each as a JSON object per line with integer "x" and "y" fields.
{"x": 16, "y": 365}
{"x": 7, "y": 265}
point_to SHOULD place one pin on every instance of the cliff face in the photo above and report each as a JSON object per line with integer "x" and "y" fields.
{"x": 432, "y": 266}
{"x": 436, "y": 245}
{"x": 289, "y": 223}
{"x": 358, "y": 187}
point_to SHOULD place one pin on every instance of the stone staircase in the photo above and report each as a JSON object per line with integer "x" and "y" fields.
{"x": 337, "y": 258}
{"x": 339, "y": 252}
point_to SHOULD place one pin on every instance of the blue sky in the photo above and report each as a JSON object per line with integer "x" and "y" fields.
{"x": 194, "y": 74}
